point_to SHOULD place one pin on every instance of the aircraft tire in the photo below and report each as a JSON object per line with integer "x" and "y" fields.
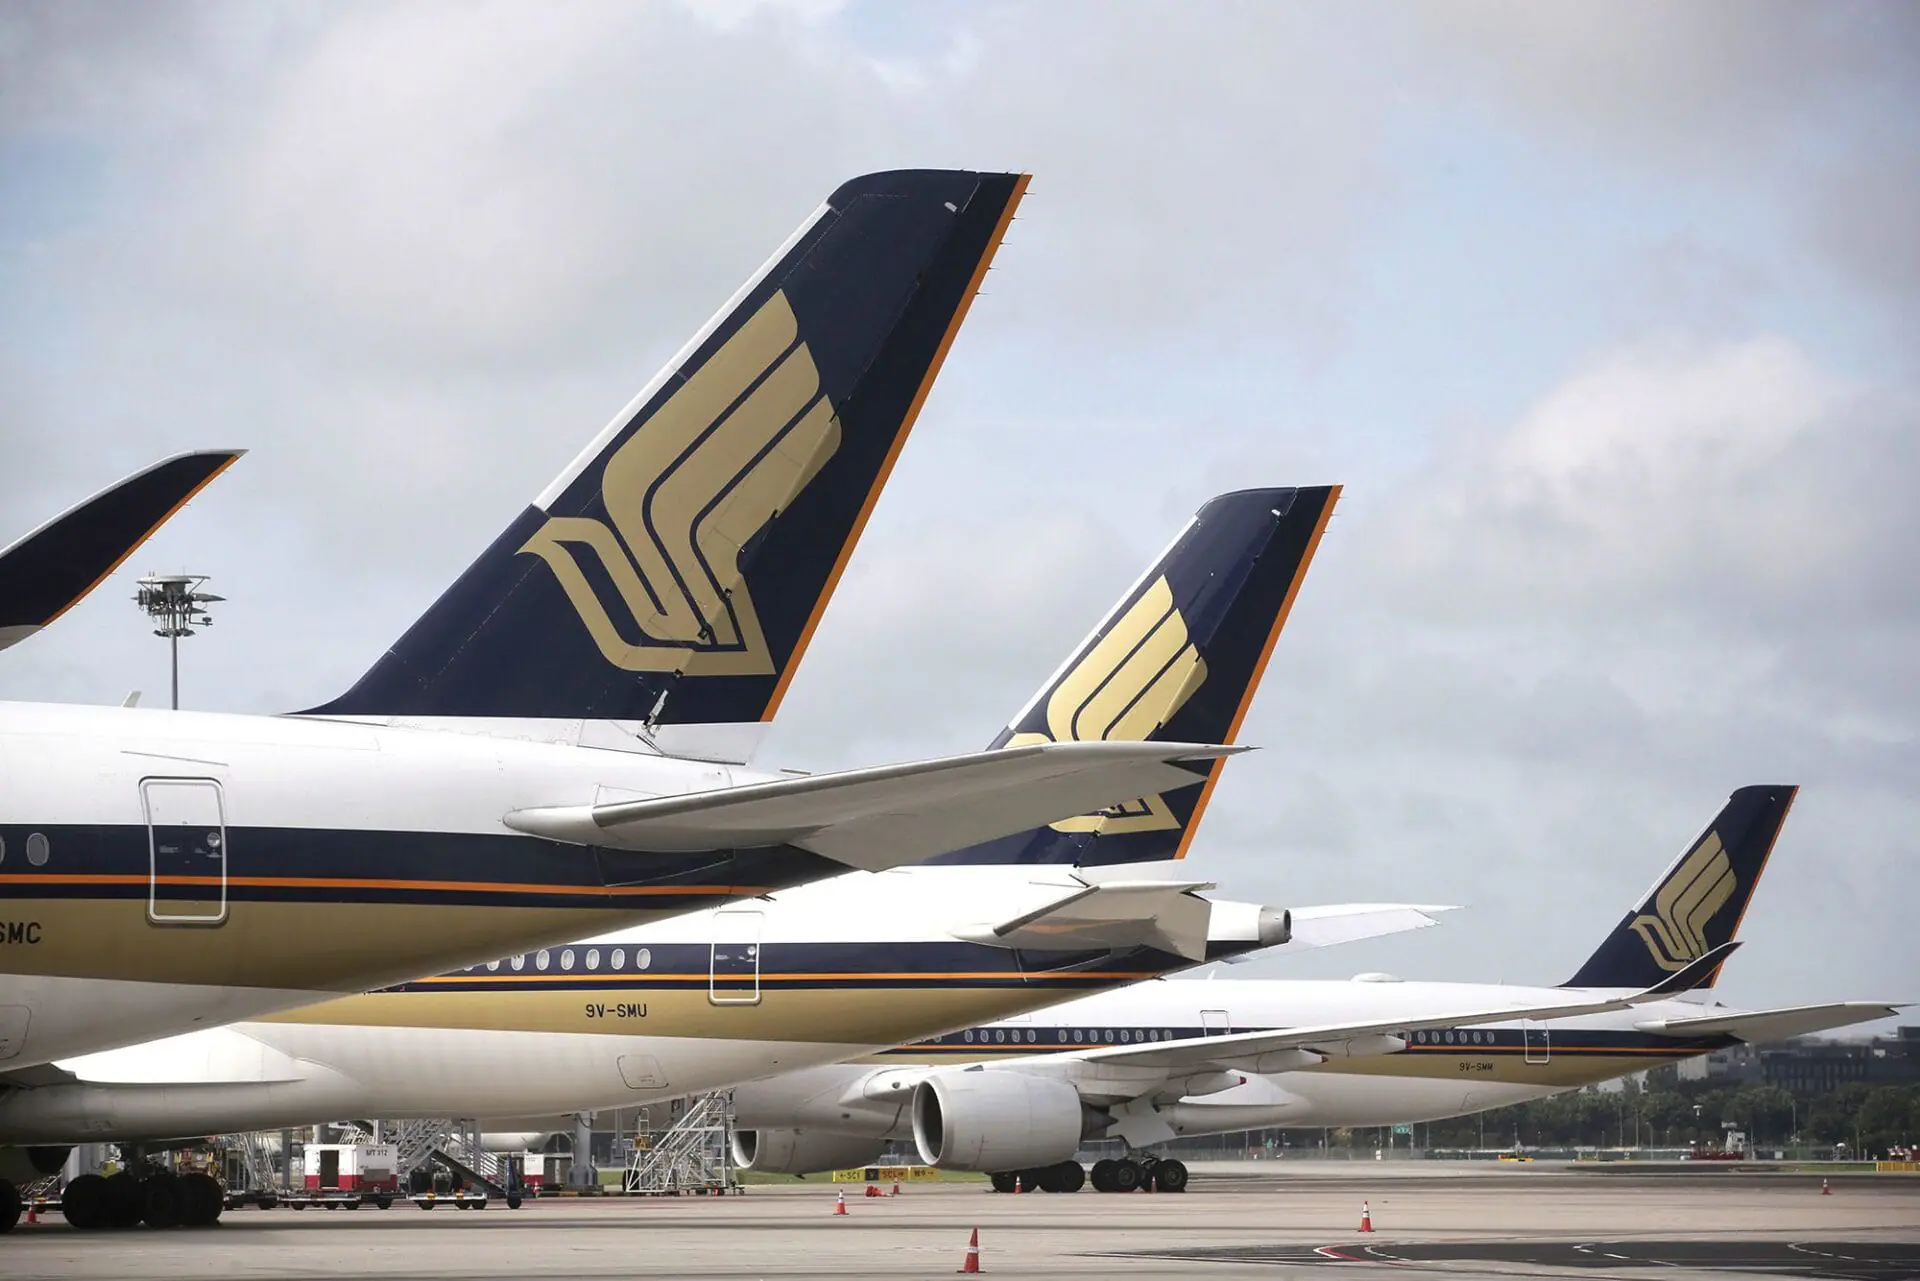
{"x": 1073, "y": 1176}
{"x": 10, "y": 1206}
{"x": 1102, "y": 1176}
{"x": 120, "y": 1201}
{"x": 162, "y": 1199}
{"x": 202, "y": 1200}
{"x": 1128, "y": 1176}
{"x": 83, "y": 1203}
{"x": 1169, "y": 1176}
{"x": 1003, "y": 1182}
{"x": 513, "y": 1200}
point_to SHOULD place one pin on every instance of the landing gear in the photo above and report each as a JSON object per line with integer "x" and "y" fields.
{"x": 1132, "y": 1173}
{"x": 120, "y": 1200}
{"x": 161, "y": 1200}
{"x": 84, "y": 1203}
{"x": 10, "y": 1207}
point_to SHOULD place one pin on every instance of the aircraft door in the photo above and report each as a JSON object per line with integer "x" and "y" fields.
{"x": 734, "y": 976}
{"x": 13, "y": 1030}
{"x": 1535, "y": 1038}
{"x": 1215, "y": 1023}
{"x": 187, "y": 849}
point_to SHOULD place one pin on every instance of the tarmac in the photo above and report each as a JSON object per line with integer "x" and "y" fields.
{"x": 1267, "y": 1220}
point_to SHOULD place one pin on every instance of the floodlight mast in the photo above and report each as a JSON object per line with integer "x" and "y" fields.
{"x": 178, "y": 608}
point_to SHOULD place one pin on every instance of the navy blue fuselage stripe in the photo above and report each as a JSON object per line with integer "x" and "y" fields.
{"x": 1500, "y": 1042}
{"x": 453, "y": 867}
{"x": 880, "y": 964}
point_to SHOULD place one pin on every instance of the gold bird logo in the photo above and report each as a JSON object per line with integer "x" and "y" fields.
{"x": 1129, "y": 684}
{"x": 726, "y": 453}
{"x": 1675, "y": 931}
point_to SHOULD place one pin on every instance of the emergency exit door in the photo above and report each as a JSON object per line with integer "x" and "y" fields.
{"x": 187, "y": 851}
{"x": 1215, "y": 1023}
{"x": 734, "y": 976}
{"x": 1534, "y": 1036}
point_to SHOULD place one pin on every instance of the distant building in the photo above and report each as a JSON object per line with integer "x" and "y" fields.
{"x": 1809, "y": 1066}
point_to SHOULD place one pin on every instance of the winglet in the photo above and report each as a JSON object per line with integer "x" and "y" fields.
{"x": 52, "y": 569}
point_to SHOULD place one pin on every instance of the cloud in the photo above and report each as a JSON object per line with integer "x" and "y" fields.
{"x": 1628, "y": 519}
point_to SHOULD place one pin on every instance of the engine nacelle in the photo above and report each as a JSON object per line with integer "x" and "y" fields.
{"x": 24, "y": 1165}
{"x": 802, "y": 1151}
{"x": 995, "y": 1120}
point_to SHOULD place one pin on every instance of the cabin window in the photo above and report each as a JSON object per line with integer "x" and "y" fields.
{"x": 618, "y": 959}
{"x": 566, "y": 959}
{"x": 493, "y": 967}
{"x": 37, "y": 849}
{"x": 967, "y": 1036}
{"x": 519, "y": 962}
{"x": 593, "y": 958}
{"x": 540, "y": 960}
{"x": 642, "y": 959}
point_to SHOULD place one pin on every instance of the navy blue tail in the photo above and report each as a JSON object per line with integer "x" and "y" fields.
{"x": 675, "y": 573}
{"x": 1697, "y": 904}
{"x": 47, "y": 572}
{"x": 1178, "y": 660}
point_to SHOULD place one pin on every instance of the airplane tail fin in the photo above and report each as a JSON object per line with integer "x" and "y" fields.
{"x": 50, "y": 570}
{"x": 1177, "y": 660}
{"x": 672, "y": 576}
{"x": 1698, "y": 902}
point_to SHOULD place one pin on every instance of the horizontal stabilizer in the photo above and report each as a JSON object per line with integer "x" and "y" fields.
{"x": 49, "y": 571}
{"x": 1331, "y": 924}
{"x": 1776, "y": 1025}
{"x": 1114, "y": 916}
{"x": 890, "y": 815}
{"x": 1286, "y": 1048}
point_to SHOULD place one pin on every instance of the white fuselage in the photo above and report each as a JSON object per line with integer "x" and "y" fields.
{"x": 167, "y": 871}
{"x": 1438, "y": 1075}
{"x": 803, "y": 977}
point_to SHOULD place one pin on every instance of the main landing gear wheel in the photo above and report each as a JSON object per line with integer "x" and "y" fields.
{"x": 160, "y": 1200}
{"x": 1003, "y": 1182}
{"x": 1067, "y": 1176}
{"x": 1169, "y": 1176}
{"x": 84, "y": 1203}
{"x": 201, "y": 1200}
{"x": 10, "y": 1206}
{"x": 1127, "y": 1176}
{"x": 120, "y": 1201}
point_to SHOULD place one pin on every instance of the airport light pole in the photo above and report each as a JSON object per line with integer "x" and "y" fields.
{"x": 178, "y": 608}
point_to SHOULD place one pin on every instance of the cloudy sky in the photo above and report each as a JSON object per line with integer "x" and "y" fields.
{"x": 1606, "y": 316}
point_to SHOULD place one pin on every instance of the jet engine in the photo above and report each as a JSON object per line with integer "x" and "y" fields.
{"x": 24, "y": 1165}
{"x": 995, "y": 1121}
{"x": 802, "y": 1151}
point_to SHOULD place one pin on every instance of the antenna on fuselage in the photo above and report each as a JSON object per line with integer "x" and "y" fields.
{"x": 178, "y": 608}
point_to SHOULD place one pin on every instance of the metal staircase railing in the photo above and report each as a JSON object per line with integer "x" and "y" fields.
{"x": 692, "y": 1155}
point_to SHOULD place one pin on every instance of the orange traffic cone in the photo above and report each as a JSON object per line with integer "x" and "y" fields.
{"x": 1016, "y": 1187}
{"x": 33, "y": 1212}
{"x": 1824, "y": 1189}
{"x": 840, "y": 1203}
{"x": 973, "y": 1253}
{"x": 896, "y": 1188}
{"x": 1366, "y": 1217}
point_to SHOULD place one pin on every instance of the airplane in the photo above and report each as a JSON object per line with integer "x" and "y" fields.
{"x": 50, "y": 570}
{"x": 553, "y": 748}
{"x": 1163, "y": 1060}
{"x": 804, "y": 976}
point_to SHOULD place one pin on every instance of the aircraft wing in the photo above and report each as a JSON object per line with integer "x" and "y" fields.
{"x": 1290, "y": 1048}
{"x": 1113, "y": 915}
{"x": 49, "y": 571}
{"x": 889, "y": 815}
{"x": 1775, "y": 1025}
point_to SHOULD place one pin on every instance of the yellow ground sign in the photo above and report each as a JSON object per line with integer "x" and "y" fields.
{"x": 887, "y": 1174}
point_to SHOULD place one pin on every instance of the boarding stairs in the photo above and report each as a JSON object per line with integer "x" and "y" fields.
{"x": 437, "y": 1141}
{"x": 693, "y": 1157}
